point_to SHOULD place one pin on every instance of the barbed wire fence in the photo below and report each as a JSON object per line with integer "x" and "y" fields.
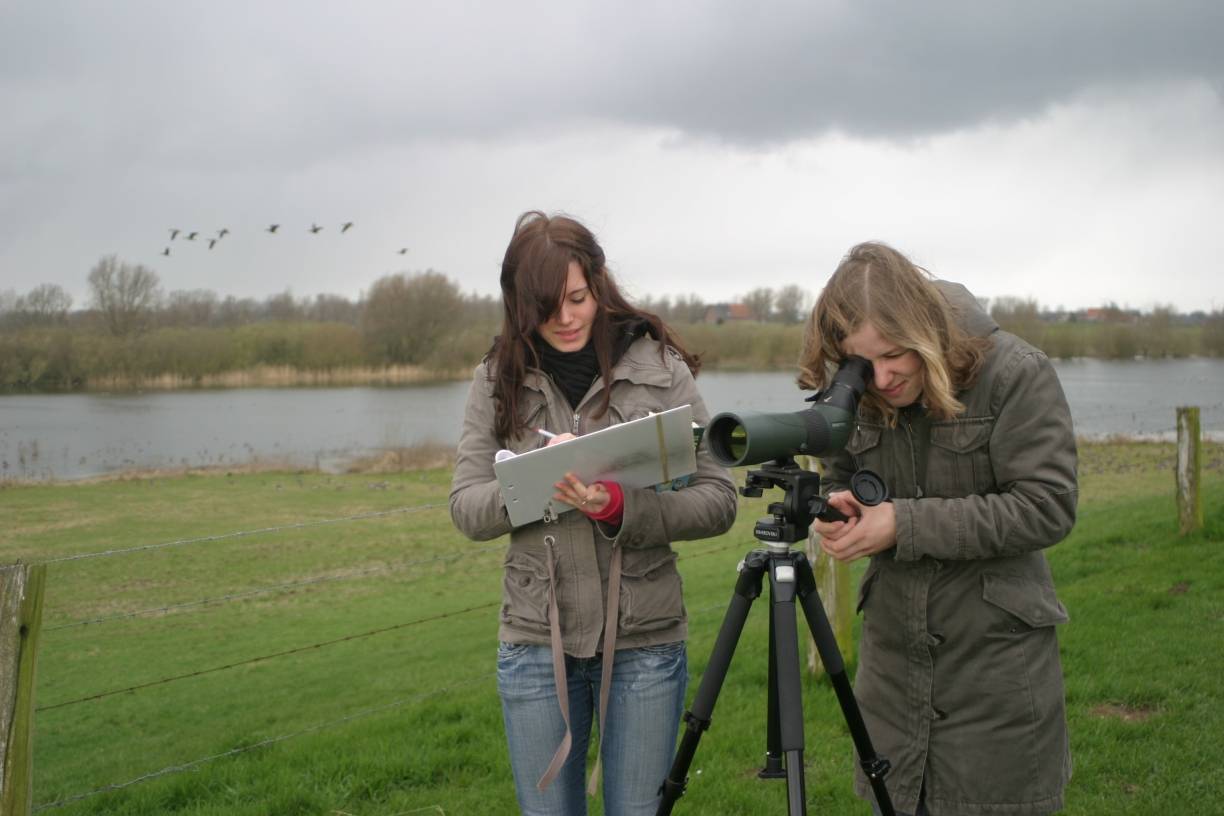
{"x": 464, "y": 682}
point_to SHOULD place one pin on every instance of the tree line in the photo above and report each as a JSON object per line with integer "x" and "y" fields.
{"x": 132, "y": 334}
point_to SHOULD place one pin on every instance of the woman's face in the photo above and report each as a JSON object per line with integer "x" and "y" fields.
{"x": 898, "y": 377}
{"x": 569, "y": 328}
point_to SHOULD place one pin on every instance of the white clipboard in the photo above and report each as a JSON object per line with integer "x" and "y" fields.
{"x": 648, "y": 451}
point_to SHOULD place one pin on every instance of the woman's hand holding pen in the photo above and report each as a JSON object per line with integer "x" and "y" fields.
{"x": 590, "y": 499}
{"x": 595, "y": 499}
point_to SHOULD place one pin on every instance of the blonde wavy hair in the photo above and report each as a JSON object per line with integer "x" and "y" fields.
{"x": 876, "y": 284}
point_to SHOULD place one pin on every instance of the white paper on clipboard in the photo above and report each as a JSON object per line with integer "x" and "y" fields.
{"x": 651, "y": 450}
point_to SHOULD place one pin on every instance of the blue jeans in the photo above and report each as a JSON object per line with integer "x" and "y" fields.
{"x": 644, "y": 709}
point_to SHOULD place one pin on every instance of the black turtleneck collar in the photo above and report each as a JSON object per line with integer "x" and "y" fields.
{"x": 574, "y": 371}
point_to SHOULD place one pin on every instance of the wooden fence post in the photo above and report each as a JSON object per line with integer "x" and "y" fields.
{"x": 21, "y": 595}
{"x": 834, "y": 585}
{"x": 1189, "y": 470}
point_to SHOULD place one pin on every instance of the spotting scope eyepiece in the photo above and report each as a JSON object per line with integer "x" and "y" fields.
{"x": 752, "y": 437}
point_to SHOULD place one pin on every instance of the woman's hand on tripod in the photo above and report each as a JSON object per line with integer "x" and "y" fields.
{"x": 868, "y": 531}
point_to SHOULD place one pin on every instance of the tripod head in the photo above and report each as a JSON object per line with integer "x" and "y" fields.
{"x": 789, "y": 519}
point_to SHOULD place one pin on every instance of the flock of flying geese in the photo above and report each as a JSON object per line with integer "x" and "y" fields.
{"x": 314, "y": 229}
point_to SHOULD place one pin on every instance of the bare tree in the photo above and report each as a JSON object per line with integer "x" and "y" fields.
{"x": 333, "y": 309}
{"x": 235, "y": 311}
{"x": 282, "y": 307}
{"x": 124, "y": 295}
{"x": 760, "y": 302}
{"x": 1019, "y": 316}
{"x": 8, "y": 313}
{"x": 406, "y": 317}
{"x": 48, "y": 303}
{"x": 792, "y": 304}
{"x": 190, "y": 307}
{"x": 689, "y": 309}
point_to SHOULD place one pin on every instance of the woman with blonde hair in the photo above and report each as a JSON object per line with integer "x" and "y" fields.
{"x": 959, "y": 678}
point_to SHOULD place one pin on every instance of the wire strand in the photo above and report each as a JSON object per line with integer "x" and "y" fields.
{"x": 237, "y": 596}
{"x": 240, "y": 534}
{"x": 186, "y": 766}
{"x": 298, "y": 650}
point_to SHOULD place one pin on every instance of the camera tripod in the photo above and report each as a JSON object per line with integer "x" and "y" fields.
{"x": 790, "y": 577}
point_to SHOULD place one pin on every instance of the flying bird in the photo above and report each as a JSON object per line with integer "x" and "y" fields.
{"x": 221, "y": 233}
{"x": 403, "y": 251}
{"x": 273, "y": 228}
{"x": 314, "y": 228}
{"x": 166, "y": 251}
{"x": 191, "y": 236}
{"x": 173, "y": 233}
{"x": 212, "y": 242}
{"x": 348, "y": 225}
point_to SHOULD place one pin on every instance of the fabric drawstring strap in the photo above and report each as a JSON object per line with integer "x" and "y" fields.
{"x": 611, "y": 619}
{"x": 558, "y": 657}
{"x": 609, "y": 655}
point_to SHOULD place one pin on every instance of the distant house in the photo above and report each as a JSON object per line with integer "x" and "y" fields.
{"x": 722, "y": 312}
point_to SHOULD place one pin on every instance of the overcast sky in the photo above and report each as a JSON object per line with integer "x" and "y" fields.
{"x": 1068, "y": 152}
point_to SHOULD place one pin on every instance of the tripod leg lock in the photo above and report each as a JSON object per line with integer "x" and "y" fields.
{"x": 671, "y": 791}
{"x": 695, "y": 724}
{"x": 877, "y": 768}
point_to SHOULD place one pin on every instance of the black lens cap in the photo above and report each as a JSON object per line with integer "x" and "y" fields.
{"x": 868, "y": 487}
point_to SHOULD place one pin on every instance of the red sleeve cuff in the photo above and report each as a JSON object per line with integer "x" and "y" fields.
{"x": 616, "y": 504}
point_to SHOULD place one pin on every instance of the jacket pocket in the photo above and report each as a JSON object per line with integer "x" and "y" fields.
{"x": 958, "y": 463}
{"x": 651, "y": 593}
{"x": 525, "y": 591}
{"x": 863, "y": 438}
{"x": 1033, "y": 603}
{"x": 631, "y": 401}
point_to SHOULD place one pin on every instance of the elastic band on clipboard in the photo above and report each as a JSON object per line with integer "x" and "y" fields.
{"x": 662, "y": 448}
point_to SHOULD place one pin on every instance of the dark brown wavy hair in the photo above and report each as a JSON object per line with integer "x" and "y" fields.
{"x": 533, "y": 277}
{"x": 876, "y": 284}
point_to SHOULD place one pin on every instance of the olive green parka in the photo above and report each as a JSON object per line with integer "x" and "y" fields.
{"x": 959, "y": 678}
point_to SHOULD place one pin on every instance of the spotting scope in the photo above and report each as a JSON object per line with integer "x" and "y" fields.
{"x": 752, "y": 437}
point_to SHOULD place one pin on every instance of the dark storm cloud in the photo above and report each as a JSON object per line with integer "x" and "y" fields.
{"x": 903, "y": 69}
{"x": 124, "y": 118}
{"x": 223, "y": 82}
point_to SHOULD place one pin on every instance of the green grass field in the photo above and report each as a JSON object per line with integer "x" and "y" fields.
{"x": 361, "y": 683}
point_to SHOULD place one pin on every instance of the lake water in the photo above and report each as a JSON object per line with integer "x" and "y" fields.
{"x": 71, "y": 436}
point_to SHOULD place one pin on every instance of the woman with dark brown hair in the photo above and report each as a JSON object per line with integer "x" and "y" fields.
{"x": 593, "y": 621}
{"x": 959, "y": 678}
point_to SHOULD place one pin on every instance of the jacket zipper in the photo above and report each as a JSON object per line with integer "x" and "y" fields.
{"x": 909, "y": 434}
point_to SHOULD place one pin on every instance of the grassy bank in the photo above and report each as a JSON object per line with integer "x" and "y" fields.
{"x": 338, "y": 659}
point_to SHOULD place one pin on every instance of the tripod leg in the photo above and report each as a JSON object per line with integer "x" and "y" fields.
{"x": 697, "y": 718}
{"x": 874, "y": 766}
{"x": 785, "y": 637}
{"x": 773, "y": 736}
